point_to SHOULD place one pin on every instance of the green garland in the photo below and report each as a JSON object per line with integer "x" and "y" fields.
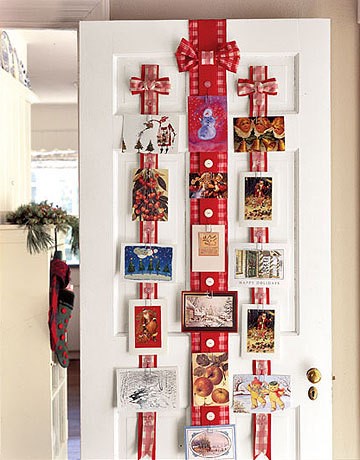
{"x": 37, "y": 218}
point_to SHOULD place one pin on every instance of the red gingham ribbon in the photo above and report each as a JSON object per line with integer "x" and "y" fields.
{"x": 258, "y": 87}
{"x": 188, "y": 56}
{"x": 149, "y": 86}
{"x": 147, "y": 420}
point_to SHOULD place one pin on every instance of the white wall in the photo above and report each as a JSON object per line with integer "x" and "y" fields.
{"x": 54, "y": 126}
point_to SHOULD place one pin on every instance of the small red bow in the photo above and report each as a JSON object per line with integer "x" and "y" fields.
{"x": 162, "y": 85}
{"x": 188, "y": 57}
{"x": 257, "y": 89}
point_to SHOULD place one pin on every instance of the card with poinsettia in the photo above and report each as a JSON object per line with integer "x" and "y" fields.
{"x": 210, "y": 379}
{"x": 207, "y": 123}
{"x": 150, "y": 134}
{"x": 266, "y": 134}
{"x": 147, "y": 326}
{"x": 150, "y": 195}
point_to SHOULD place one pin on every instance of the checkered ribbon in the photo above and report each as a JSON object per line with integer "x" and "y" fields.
{"x": 207, "y": 56}
{"x": 188, "y": 57}
{"x": 147, "y": 420}
{"x": 258, "y": 87}
{"x": 149, "y": 86}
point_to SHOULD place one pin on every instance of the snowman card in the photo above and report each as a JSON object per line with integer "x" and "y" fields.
{"x": 150, "y": 133}
{"x": 207, "y": 123}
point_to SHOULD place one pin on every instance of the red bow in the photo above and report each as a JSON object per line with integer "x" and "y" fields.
{"x": 188, "y": 57}
{"x": 161, "y": 86}
{"x": 149, "y": 86}
{"x": 258, "y": 90}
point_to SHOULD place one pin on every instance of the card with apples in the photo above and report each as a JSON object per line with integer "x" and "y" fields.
{"x": 210, "y": 379}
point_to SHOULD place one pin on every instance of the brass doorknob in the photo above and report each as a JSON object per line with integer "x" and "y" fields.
{"x": 313, "y": 375}
{"x": 313, "y": 393}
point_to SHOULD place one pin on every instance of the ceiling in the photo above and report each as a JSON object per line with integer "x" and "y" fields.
{"x": 51, "y": 51}
{"x": 52, "y": 64}
{"x": 47, "y": 13}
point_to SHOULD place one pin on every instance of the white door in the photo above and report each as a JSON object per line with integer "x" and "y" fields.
{"x": 297, "y": 53}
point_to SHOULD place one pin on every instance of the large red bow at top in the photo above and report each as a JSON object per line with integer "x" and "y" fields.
{"x": 188, "y": 57}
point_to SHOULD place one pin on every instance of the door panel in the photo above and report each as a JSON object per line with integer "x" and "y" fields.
{"x": 297, "y": 53}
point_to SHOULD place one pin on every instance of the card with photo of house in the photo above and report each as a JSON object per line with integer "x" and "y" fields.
{"x": 143, "y": 262}
{"x": 258, "y": 199}
{"x": 210, "y": 379}
{"x": 261, "y": 394}
{"x": 260, "y": 331}
{"x": 209, "y": 311}
{"x": 265, "y": 134}
{"x": 208, "y": 248}
{"x": 214, "y": 441}
{"x": 147, "y": 389}
{"x": 147, "y": 326}
{"x": 258, "y": 265}
{"x": 207, "y": 123}
{"x": 150, "y": 133}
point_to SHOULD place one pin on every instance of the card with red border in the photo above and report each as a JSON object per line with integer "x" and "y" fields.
{"x": 147, "y": 326}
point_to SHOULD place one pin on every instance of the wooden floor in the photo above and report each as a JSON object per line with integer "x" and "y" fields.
{"x": 74, "y": 410}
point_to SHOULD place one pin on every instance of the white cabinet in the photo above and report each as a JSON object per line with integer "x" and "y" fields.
{"x": 33, "y": 409}
{"x": 15, "y": 145}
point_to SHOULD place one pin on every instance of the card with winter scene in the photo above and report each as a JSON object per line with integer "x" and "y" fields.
{"x": 144, "y": 262}
{"x": 266, "y": 134}
{"x": 207, "y": 123}
{"x": 209, "y": 311}
{"x": 261, "y": 394}
{"x": 150, "y": 133}
{"x": 258, "y": 265}
{"x": 208, "y": 248}
{"x": 210, "y": 379}
{"x": 258, "y": 199}
{"x": 214, "y": 441}
{"x": 260, "y": 331}
{"x": 147, "y": 389}
{"x": 150, "y": 195}
{"x": 147, "y": 326}
{"x": 208, "y": 185}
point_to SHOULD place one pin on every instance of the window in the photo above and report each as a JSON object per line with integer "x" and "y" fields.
{"x": 54, "y": 177}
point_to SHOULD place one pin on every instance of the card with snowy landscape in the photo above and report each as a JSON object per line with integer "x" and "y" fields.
{"x": 261, "y": 394}
{"x": 215, "y": 441}
{"x": 207, "y": 123}
{"x": 260, "y": 331}
{"x": 145, "y": 262}
{"x": 257, "y": 199}
{"x": 147, "y": 326}
{"x": 150, "y": 133}
{"x": 204, "y": 311}
{"x": 147, "y": 390}
{"x": 265, "y": 134}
